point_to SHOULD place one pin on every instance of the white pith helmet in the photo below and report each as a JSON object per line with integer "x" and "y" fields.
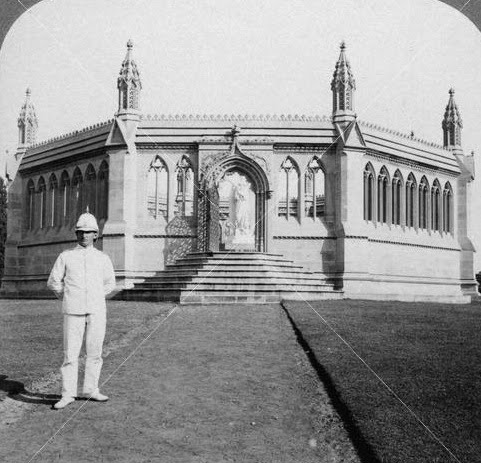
{"x": 87, "y": 222}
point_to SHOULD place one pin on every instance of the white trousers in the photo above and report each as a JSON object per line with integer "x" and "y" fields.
{"x": 74, "y": 328}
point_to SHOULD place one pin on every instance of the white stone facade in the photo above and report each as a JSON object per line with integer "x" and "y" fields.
{"x": 380, "y": 214}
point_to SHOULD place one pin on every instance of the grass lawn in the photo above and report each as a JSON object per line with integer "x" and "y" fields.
{"x": 428, "y": 354}
{"x": 205, "y": 384}
{"x": 31, "y": 337}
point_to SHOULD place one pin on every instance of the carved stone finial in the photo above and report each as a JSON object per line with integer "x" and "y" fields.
{"x": 27, "y": 122}
{"x": 128, "y": 83}
{"x": 235, "y": 138}
{"x": 452, "y": 124}
{"x": 343, "y": 86}
{"x": 235, "y": 131}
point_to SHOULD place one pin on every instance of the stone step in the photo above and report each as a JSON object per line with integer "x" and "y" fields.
{"x": 234, "y": 257}
{"x": 229, "y": 297}
{"x": 233, "y": 277}
{"x": 233, "y": 286}
{"x": 274, "y": 277}
{"x": 236, "y": 266}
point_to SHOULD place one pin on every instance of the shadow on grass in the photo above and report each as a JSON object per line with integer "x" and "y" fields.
{"x": 362, "y": 447}
{"x": 16, "y": 391}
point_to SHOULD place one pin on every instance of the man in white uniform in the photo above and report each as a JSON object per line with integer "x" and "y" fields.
{"x": 81, "y": 277}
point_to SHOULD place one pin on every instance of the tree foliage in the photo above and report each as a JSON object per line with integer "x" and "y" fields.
{"x": 3, "y": 224}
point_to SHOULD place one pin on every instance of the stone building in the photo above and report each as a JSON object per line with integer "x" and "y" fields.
{"x": 365, "y": 211}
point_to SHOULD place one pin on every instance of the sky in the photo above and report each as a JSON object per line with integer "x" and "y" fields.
{"x": 244, "y": 57}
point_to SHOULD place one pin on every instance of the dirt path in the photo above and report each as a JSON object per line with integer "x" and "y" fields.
{"x": 210, "y": 384}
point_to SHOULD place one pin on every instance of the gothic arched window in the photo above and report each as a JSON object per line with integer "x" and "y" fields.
{"x": 382, "y": 195}
{"x": 65, "y": 198}
{"x": 410, "y": 200}
{"x": 30, "y": 206}
{"x": 423, "y": 198}
{"x": 396, "y": 198}
{"x": 157, "y": 188}
{"x": 448, "y": 208}
{"x": 90, "y": 190}
{"x": 42, "y": 203}
{"x": 289, "y": 189}
{"x": 52, "y": 202}
{"x": 369, "y": 196}
{"x": 77, "y": 194}
{"x": 185, "y": 188}
{"x": 314, "y": 189}
{"x": 103, "y": 191}
{"x": 436, "y": 206}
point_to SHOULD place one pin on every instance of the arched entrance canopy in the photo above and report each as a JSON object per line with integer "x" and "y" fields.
{"x": 209, "y": 228}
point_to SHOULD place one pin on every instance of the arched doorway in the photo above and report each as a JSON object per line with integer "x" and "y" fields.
{"x": 233, "y": 197}
{"x": 237, "y": 212}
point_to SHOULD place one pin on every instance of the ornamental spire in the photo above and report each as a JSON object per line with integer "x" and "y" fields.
{"x": 27, "y": 122}
{"x": 128, "y": 83}
{"x": 343, "y": 86}
{"x": 452, "y": 124}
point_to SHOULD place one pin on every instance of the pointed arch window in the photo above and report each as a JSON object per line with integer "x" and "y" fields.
{"x": 103, "y": 191}
{"x": 448, "y": 208}
{"x": 314, "y": 189}
{"x": 77, "y": 194}
{"x": 52, "y": 202}
{"x": 396, "y": 198}
{"x": 369, "y": 197}
{"x": 157, "y": 188}
{"x": 64, "y": 198}
{"x": 410, "y": 200}
{"x": 436, "y": 211}
{"x": 185, "y": 188}
{"x": 30, "y": 205}
{"x": 42, "y": 202}
{"x": 289, "y": 189}
{"x": 90, "y": 200}
{"x": 423, "y": 198}
{"x": 382, "y": 195}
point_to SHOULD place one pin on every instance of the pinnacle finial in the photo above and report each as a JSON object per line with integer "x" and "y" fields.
{"x": 452, "y": 124}
{"x": 235, "y": 131}
{"x": 28, "y": 91}
{"x": 343, "y": 86}
{"x": 128, "y": 82}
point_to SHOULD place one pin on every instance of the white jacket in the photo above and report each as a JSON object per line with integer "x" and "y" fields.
{"x": 82, "y": 277}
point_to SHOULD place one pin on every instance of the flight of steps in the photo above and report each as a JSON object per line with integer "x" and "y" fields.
{"x": 240, "y": 277}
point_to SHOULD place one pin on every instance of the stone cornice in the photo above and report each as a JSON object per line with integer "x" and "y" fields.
{"x": 90, "y": 128}
{"x": 164, "y": 236}
{"x": 165, "y": 146}
{"x": 296, "y": 147}
{"x": 292, "y": 237}
{"x": 234, "y": 117}
{"x": 228, "y": 141}
{"x": 398, "y": 134}
{"x": 411, "y": 164}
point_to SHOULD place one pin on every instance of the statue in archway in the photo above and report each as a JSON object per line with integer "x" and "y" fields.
{"x": 237, "y": 212}
{"x": 242, "y": 210}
